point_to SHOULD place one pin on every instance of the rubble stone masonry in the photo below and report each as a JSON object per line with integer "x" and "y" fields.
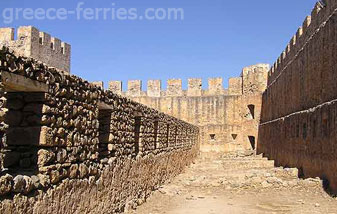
{"x": 68, "y": 146}
{"x": 228, "y": 118}
{"x": 299, "y": 109}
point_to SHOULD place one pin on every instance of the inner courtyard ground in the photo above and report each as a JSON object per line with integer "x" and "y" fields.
{"x": 216, "y": 184}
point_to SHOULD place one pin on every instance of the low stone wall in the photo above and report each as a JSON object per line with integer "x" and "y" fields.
{"x": 68, "y": 146}
{"x": 121, "y": 185}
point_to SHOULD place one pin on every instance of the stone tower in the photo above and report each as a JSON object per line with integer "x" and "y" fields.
{"x": 41, "y": 46}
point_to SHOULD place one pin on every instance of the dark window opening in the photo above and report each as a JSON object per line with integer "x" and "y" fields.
{"x": 52, "y": 45}
{"x": 40, "y": 40}
{"x": 62, "y": 50}
{"x": 167, "y": 134}
{"x": 156, "y": 125}
{"x": 286, "y": 132}
{"x": 252, "y": 142}
{"x": 325, "y": 131}
{"x": 301, "y": 172}
{"x": 234, "y": 136}
{"x": 212, "y": 136}
{"x": 24, "y": 118}
{"x": 138, "y": 122}
{"x": 176, "y": 136}
{"x": 104, "y": 120}
{"x": 304, "y": 131}
{"x": 291, "y": 133}
{"x": 314, "y": 128}
{"x": 252, "y": 110}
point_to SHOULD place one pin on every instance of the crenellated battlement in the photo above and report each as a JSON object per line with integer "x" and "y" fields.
{"x": 41, "y": 46}
{"x": 194, "y": 87}
{"x": 310, "y": 27}
{"x": 220, "y": 113}
{"x": 173, "y": 89}
{"x": 252, "y": 79}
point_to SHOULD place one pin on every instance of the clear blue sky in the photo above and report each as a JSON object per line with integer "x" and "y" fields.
{"x": 216, "y": 38}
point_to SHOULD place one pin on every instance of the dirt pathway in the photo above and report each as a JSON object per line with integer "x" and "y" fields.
{"x": 239, "y": 185}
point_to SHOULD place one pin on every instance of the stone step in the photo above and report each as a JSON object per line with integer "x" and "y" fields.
{"x": 248, "y": 164}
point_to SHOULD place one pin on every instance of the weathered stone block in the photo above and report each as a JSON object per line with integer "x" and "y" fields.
{"x": 83, "y": 171}
{"x": 45, "y": 157}
{"x": 29, "y": 185}
{"x": 215, "y": 86}
{"x": 5, "y": 184}
{"x": 153, "y": 88}
{"x": 134, "y": 88}
{"x": 174, "y": 87}
{"x": 235, "y": 86}
{"x": 73, "y": 171}
{"x": 99, "y": 84}
{"x": 115, "y": 87}
{"x": 194, "y": 87}
{"x": 19, "y": 184}
{"x": 54, "y": 176}
{"x": 46, "y": 137}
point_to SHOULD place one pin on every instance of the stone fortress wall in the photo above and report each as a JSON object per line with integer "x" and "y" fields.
{"x": 68, "y": 146}
{"x": 228, "y": 118}
{"x": 32, "y": 43}
{"x": 299, "y": 108}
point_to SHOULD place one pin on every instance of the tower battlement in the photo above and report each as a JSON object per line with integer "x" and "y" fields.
{"x": 41, "y": 46}
{"x": 252, "y": 79}
{"x": 174, "y": 88}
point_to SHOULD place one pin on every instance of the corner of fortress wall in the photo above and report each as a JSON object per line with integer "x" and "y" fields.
{"x": 32, "y": 43}
{"x": 254, "y": 78}
{"x": 300, "y": 99}
{"x": 217, "y": 111}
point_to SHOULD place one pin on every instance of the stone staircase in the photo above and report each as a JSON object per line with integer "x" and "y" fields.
{"x": 233, "y": 172}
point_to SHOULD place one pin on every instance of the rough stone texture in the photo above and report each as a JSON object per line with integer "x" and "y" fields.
{"x": 115, "y": 87}
{"x": 134, "y": 88}
{"x": 298, "y": 122}
{"x": 174, "y": 87}
{"x": 80, "y": 149}
{"x": 154, "y": 88}
{"x": 235, "y": 86}
{"x": 38, "y": 45}
{"x": 194, "y": 87}
{"x": 215, "y": 86}
{"x": 121, "y": 185}
{"x": 226, "y": 122}
{"x": 99, "y": 84}
{"x": 237, "y": 185}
